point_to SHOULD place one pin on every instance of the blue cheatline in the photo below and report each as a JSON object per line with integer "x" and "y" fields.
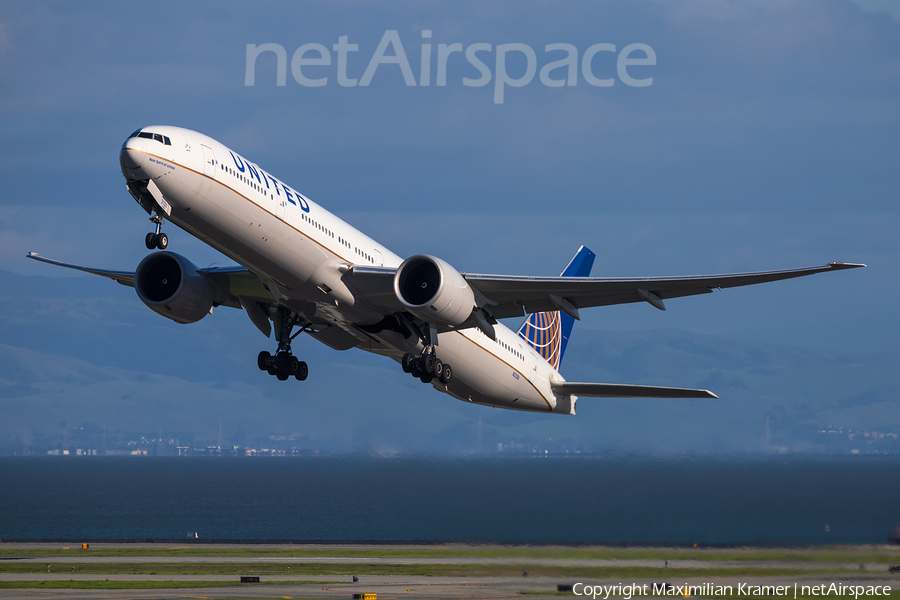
{"x": 548, "y": 332}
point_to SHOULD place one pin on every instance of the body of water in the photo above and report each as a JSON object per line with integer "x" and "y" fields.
{"x": 537, "y": 500}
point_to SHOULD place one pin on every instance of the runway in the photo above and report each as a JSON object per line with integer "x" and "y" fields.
{"x": 339, "y": 584}
{"x": 547, "y": 562}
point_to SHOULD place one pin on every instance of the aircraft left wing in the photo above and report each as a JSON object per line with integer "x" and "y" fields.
{"x": 239, "y": 288}
{"x": 123, "y": 277}
{"x": 506, "y": 296}
{"x": 236, "y": 282}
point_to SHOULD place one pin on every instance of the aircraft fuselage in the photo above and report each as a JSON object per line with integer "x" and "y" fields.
{"x": 298, "y": 249}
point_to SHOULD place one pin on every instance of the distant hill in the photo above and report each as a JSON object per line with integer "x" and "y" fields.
{"x": 84, "y": 352}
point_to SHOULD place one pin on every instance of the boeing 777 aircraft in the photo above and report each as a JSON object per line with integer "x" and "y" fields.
{"x": 303, "y": 270}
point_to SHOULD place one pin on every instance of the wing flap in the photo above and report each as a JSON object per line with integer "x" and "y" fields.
{"x": 376, "y": 286}
{"x": 240, "y": 284}
{"x": 621, "y": 390}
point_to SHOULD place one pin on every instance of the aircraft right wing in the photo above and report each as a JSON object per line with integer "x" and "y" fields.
{"x": 512, "y": 296}
{"x": 504, "y": 296}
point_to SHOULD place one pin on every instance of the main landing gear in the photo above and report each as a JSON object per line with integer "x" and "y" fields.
{"x": 284, "y": 364}
{"x": 156, "y": 239}
{"x": 427, "y": 367}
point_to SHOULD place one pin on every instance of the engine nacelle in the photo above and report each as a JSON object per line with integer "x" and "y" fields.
{"x": 434, "y": 291}
{"x": 171, "y": 285}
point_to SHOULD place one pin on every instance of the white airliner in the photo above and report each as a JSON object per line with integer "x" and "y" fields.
{"x": 304, "y": 269}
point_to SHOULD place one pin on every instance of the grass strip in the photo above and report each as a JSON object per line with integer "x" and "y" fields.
{"x": 829, "y": 554}
{"x": 472, "y": 570}
{"x": 141, "y": 585}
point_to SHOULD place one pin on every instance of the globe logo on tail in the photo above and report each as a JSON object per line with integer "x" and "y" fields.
{"x": 548, "y": 332}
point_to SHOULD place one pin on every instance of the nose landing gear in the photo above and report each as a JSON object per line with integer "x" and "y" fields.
{"x": 156, "y": 239}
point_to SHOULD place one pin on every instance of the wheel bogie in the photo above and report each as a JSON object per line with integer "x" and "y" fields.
{"x": 426, "y": 368}
{"x": 283, "y": 366}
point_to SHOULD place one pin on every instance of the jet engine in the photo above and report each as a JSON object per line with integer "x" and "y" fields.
{"x": 172, "y": 286}
{"x": 434, "y": 291}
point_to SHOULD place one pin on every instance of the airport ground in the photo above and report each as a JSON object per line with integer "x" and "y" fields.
{"x": 210, "y": 571}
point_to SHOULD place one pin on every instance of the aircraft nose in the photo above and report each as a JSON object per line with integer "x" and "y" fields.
{"x": 132, "y": 156}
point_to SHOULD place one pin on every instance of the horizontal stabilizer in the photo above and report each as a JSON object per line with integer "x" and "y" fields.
{"x": 621, "y": 390}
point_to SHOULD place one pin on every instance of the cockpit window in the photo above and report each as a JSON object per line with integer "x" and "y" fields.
{"x": 162, "y": 139}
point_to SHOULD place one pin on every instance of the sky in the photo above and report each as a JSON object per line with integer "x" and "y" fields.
{"x": 765, "y": 136}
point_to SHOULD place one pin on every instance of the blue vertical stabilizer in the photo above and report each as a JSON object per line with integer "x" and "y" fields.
{"x": 548, "y": 332}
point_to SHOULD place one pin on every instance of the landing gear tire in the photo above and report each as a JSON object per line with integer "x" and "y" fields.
{"x": 438, "y": 368}
{"x": 150, "y": 241}
{"x": 445, "y": 375}
{"x": 302, "y": 371}
{"x": 282, "y": 376}
{"x": 262, "y": 361}
{"x": 426, "y": 378}
{"x": 427, "y": 363}
{"x": 162, "y": 240}
{"x": 407, "y": 362}
{"x": 293, "y": 365}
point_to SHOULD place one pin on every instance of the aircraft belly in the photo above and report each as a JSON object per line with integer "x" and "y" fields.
{"x": 481, "y": 377}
